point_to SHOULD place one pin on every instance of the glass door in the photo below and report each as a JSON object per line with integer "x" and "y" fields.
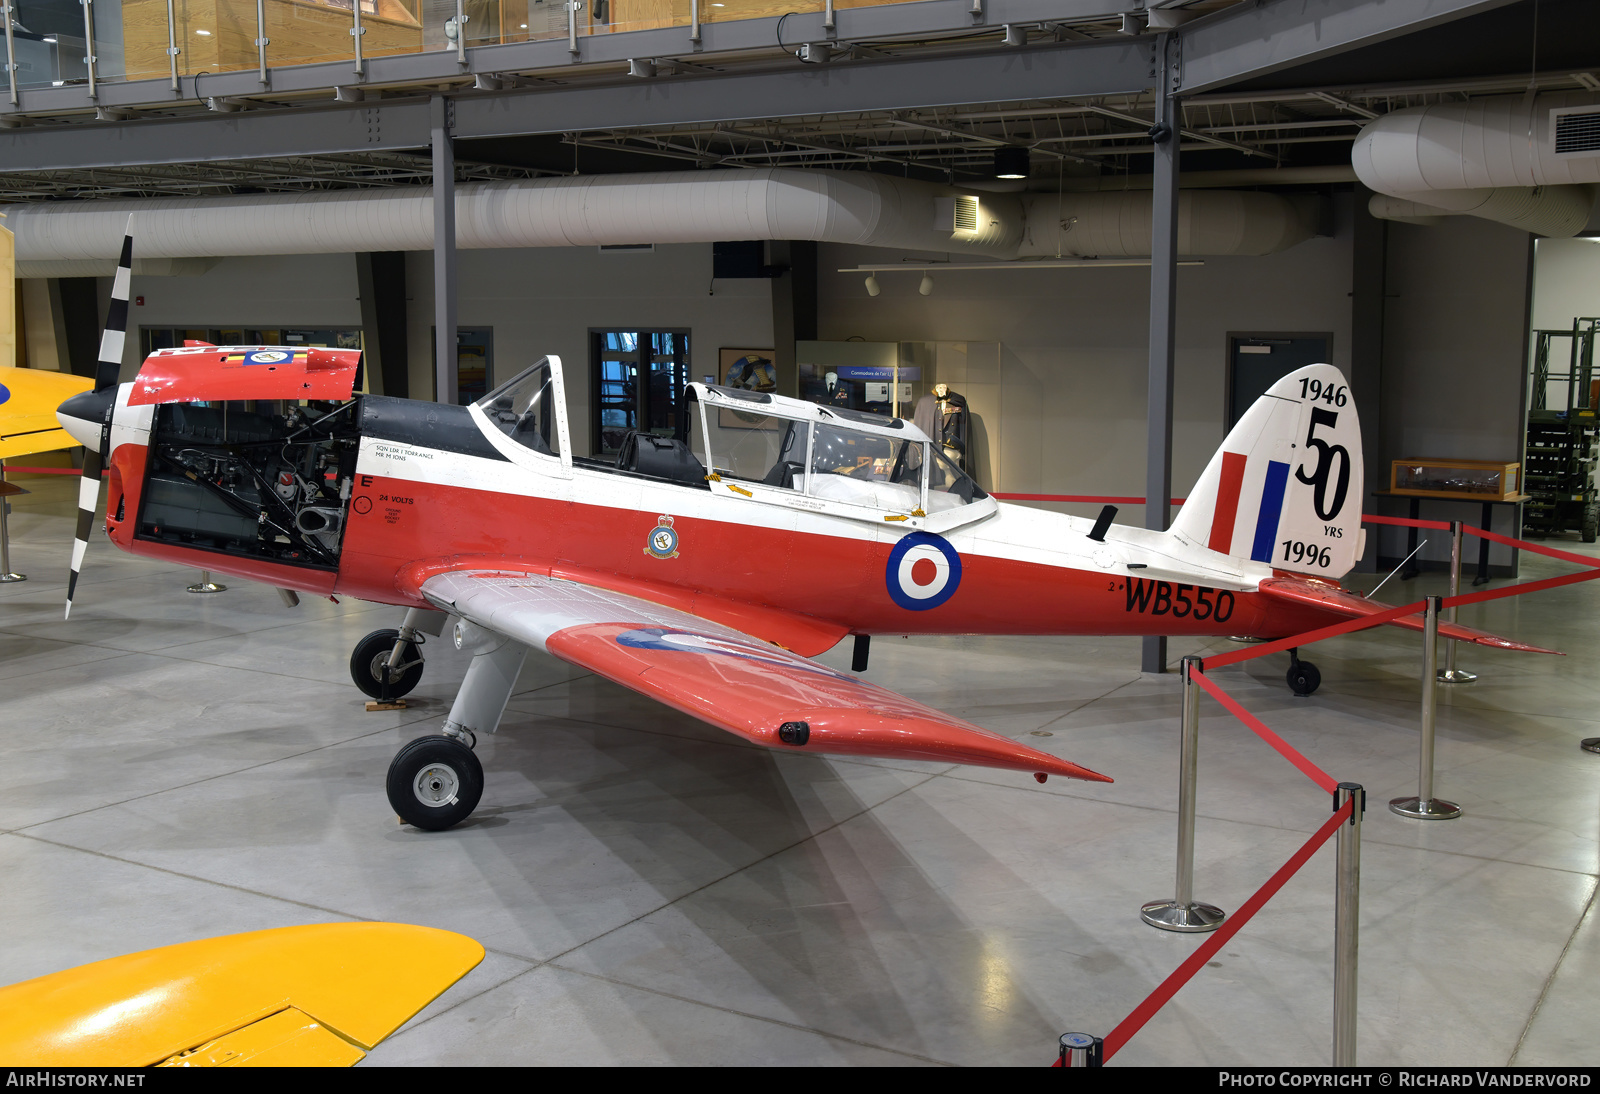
{"x": 637, "y": 380}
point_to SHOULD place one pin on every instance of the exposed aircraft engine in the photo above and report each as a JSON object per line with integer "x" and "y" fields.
{"x": 228, "y": 477}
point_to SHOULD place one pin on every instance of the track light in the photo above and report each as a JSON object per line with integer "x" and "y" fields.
{"x": 926, "y": 288}
{"x": 1011, "y": 162}
{"x": 873, "y": 288}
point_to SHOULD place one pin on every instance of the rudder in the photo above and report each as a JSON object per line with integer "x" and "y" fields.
{"x": 1285, "y": 487}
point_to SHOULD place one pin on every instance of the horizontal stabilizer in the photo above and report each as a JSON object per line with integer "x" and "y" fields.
{"x": 1315, "y": 594}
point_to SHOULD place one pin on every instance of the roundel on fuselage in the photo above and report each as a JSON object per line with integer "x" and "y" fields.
{"x": 923, "y": 572}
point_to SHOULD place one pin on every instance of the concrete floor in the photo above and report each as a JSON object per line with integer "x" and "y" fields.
{"x": 652, "y": 891}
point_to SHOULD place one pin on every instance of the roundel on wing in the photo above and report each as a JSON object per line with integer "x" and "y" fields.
{"x": 923, "y": 572}
{"x": 5, "y": 393}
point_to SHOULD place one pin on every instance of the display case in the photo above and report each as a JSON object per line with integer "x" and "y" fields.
{"x": 1476, "y": 480}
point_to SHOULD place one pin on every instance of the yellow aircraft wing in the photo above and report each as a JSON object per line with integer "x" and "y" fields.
{"x": 318, "y": 995}
{"x": 28, "y": 401}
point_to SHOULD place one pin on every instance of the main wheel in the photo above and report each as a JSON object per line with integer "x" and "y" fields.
{"x": 1303, "y": 678}
{"x": 435, "y": 783}
{"x": 1591, "y": 524}
{"x": 370, "y": 661}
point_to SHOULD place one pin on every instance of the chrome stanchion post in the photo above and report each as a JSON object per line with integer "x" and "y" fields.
{"x": 694, "y": 21}
{"x": 1450, "y": 674}
{"x": 6, "y": 576}
{"x": 1081, "y": 1050}
{"x": 9, "y": 10}
{"x": 172, "y": 47}
{"x": 206, "y": 585}
{"x": 1183, "y": 912}
{"x": 1346, "y": 923}
{"x": 356, "y": 31}
{"x": 262, "y": 41}
{"x": 1425, "y": 806}
{"x": 88, "y": 35}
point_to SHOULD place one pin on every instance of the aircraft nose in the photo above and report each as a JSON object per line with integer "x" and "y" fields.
{"x": 82, "y": 415}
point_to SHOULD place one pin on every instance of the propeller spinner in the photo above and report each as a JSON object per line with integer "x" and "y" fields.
{"x": 87, "y": 416}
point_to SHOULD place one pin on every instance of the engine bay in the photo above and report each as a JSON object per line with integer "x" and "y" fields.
{"x": 259, "y": 479}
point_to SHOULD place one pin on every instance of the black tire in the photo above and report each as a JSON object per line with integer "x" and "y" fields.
{"x": 1591, "y": 525}
{"x": 435, "y": 783}
{"x": 1303, "y": 678}
{"x": 367, "y": 665}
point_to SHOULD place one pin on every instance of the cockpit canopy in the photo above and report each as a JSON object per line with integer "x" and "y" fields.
{"x": 831, "y": 454}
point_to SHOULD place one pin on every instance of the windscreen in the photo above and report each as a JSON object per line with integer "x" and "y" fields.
{"x": 523, "y": 408}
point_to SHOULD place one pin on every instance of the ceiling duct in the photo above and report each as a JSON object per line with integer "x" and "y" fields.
{"x": 172, "y": 235}
{"x": 1210, "y": 222}
{"x": 1532, "y": 163}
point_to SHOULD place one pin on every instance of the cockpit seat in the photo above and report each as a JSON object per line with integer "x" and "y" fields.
{"x": 783, "y": 473}
{"x": 660, "y": 457}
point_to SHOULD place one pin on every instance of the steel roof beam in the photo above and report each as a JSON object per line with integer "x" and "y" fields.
{"x": 1251, "y": 40}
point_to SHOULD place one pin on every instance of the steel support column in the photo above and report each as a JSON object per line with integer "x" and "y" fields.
{"x": 1163, "y": 315}
{"x": 444, "y": 252}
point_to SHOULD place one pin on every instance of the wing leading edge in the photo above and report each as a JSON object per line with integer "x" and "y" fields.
{"x": 723, "y": 676}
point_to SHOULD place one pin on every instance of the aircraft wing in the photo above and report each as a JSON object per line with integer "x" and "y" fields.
{"x": 28, "y": 401}
{"x": 723, "y": 676}
{"x": 1314, "y": 594}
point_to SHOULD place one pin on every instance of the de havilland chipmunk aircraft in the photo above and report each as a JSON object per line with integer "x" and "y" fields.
{"x": 703, "y": 569}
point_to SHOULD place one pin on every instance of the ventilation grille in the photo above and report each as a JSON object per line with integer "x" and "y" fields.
{"x": 958, "y": 213}
{"x": 1578, "y": 131}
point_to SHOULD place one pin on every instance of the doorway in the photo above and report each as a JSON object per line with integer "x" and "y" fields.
{"x": 474, "y": 363}
{"x": 618, "y": 358}
{"x": 1257, "y": 361}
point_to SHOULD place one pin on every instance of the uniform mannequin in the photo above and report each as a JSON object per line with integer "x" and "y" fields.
{"x": 950, "y": 418}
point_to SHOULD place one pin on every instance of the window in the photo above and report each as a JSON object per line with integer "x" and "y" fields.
{"x": 865, "y": 469}
{"x": 755, "y": 447}
{"x": 523, "y": 408}
{"x": 949, "y": 486}
{"x": 622, "y": 404}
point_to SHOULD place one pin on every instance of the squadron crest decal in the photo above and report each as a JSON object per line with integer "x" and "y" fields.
{"x": 663, "y": 541}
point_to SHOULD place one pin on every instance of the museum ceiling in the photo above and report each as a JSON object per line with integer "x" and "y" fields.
{"x": 1293, "y": 127}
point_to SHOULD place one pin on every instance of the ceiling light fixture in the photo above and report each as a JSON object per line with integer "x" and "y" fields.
{"x": 873, "y": 288}
{"x": 205, "y": 33}
{"x": 1011, "y": 162}
{"x": 926, "y": 288}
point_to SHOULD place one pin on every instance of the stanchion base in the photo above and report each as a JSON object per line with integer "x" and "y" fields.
{"x": 1456, "y": 676}
{"x": 12, "y": 577}
{"x": 1432, "y": 809}
{"x": 1169, "y": 915}
{"x": 206, "y": 587}
{"x": 1590, "y": 744}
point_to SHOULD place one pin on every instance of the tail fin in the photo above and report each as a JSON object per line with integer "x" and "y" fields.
{"x": 1285, "y": 487}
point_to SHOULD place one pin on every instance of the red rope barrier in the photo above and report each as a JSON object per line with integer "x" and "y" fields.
{"x": 1285, "y": 749}
{"x": 1082, "y": 499}
{"x": 1217, "y": 939}
{"x": 1332, "y": 631}
{"x": 1405, "y": 522}
{"x": 1524, "y": 545}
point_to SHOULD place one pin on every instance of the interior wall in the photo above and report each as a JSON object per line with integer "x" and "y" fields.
{"x": 1454, "y": 360}
{"x": 1075, "y": 350}
{"x": 1566, "y": 282}
{"x": 544, "y": 301}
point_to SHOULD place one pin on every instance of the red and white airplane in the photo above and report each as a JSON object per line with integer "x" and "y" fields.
{"x": 703, "y": 569}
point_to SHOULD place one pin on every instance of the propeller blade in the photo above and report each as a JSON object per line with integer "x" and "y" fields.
{"x": 105, "y": 377}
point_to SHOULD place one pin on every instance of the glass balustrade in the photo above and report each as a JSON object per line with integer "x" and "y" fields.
{"x": 131, "y": 39}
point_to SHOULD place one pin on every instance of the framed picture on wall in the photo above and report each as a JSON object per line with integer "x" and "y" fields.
{"x": 747, "y": 370}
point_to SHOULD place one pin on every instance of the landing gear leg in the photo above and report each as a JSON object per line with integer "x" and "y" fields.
{"x": 435, "y": 782}
{"x": 1302, "y": 677}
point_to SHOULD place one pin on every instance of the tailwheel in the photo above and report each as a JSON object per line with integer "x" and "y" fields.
{"x": 435, "y": 783}
{"x": 1302, "y": 677}
{"x": 370, "y": 661}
